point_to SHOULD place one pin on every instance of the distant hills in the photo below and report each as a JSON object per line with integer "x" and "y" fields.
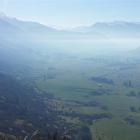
{"x": 13, "y": 26}
{"x": 101, "y": 30}
{"x": 113, "y": 29}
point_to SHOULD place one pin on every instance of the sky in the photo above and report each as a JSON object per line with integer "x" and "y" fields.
{"x": 72, "y": 13}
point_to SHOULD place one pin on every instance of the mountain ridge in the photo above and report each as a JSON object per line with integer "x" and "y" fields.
{"x": 14, "y": 26}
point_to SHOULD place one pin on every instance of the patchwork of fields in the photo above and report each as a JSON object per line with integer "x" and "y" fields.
{"x": 105, "y": 85}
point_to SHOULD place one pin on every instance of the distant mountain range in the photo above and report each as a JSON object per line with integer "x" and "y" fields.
{"x": 14, "y": 26}
{"x": 116, "y": 25}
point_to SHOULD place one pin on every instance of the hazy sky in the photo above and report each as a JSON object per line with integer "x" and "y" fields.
{"x": 69, "y": 13}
